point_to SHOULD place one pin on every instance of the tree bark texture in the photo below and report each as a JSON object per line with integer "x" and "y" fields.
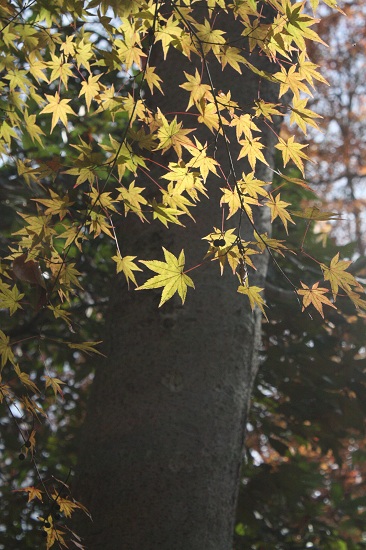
{"x": 161, "y": 450}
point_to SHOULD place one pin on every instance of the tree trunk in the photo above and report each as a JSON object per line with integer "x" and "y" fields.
{"x": 162, "y": 445}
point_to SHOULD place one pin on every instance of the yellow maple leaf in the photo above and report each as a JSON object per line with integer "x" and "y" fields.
{"x": 172, "y": 135}
{"x": 291, "y": 80}
{"x": 253, "y": 293}
{"x": 244, "y": 125}
{"x": 56, "y": 205}
{"x": 232, "y": 56}
{"x": 59, "y": 109}
{"x": 195, "y": 87}
{"x": 60, "y": 69}
{"x": 132, "y": 199}
{"x": 252, "y": 148}
{"x": 25, "y": 380}
{"x": 33, "y": 130}
{"x": 234, "y": 201}
{"x": 33, "y": 493}
{"x": 171, "y": 276}
{"x": 292, "y": 151}
{"x": 278, "y": 208}
{"x": 127, "y": 266}
{"x": 208, "y": 115}
{"x": 337, "y": 275}
{"x": 55, "y": 384}
{"x": 303, "y": 116}
{"x": 200, "y": 160}
{"x": 209, "y": 38}
{"x": 153, "y": 79}
{"x": 251, "y": 186}
{"x": 90, "y": 88}
{"x": 314, "y": 296}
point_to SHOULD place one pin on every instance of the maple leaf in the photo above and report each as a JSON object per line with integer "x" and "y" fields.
{"x": 60, "y": 69}
{"x": 232, "y": 56}
{"x": 232, "y": 199}
{"x": 102, "y": 199}
{"x": 33, "y": 130}
{"x": 174, "y": 198}
{"x": 291, "y": 80}
{"x": 186, "y": 179}
{"x": 278, "y": 208}
{"x": 357, "y": 300}
{"x": 298, "y": 24}
{"x": 200, "y": 160}
{"x": 5, "y": 350}
{"x": 37, "y": 66}
{"x": 17, "y": 78}
{"x": 56, "y": 205}
{"x": 172, "y": 135}
{"x": 208, "y": 115}
{"x": 68, "y": 48}
{"x": 90, "y": 88}
{"x": 252, "y": 148}
{"x": 7, "y": 132}
{"x": 209, "y": 38}
{"x": 302, "y": 116}
{"x": 25, "y": 379}
{"x": 314, "y": 296}
{"x": 59, "y": 109}
{"x": 165, "y": 214}
{"x": 83, "y": 53}
{"x": 308, "y": 70}
{"x": 253, "y": 293}
{"x": 262, "y": 108}
{"x": 87, "y": 347}
{"x": 170, "y": 276}
{"x": 331, "y": 3}
{"x": 195, "y": 87}
{"x": 152, "y": 79}
{"x": 67, "y": 506}
{"x": 33, "y": 493}
{"x": 55, "y": 384}
{"x": 244, "y": 125}
{"x": 132, "y": 199}
{"x": 314, "y": 213}
{"x": 222, "y": 248}
{"x": 10, "y": 298}
{"x": 337, "y": 275}
{"x": 251, "y": 186}
{"x": 292, "y": 151}
{"x": 127, "y": 266}
{"x": 167, "y": 33}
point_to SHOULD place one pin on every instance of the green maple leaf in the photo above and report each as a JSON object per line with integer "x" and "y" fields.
{"x": 171, "y": 276}
{"x": 10, "y": 298}
{"x": 5, "y": 350}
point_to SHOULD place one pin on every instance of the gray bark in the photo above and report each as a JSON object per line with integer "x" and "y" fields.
{"x": 162, "y": 445}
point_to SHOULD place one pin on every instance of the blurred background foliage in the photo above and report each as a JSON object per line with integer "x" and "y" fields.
{"x": 304, "y": 472}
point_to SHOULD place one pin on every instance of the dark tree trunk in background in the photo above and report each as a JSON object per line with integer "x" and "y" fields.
{"x": 162, "y": 446}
